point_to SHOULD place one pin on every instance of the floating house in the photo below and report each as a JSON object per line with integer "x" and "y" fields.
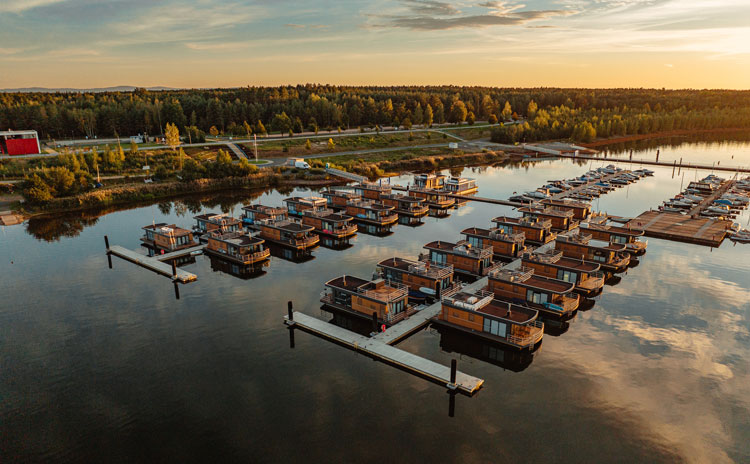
{"x": 504, "y": 245}
{"x": 430, "y": 279}
{"x": 206, "y": 223}
{"x": 327, "y": 222}
{"x": 619, "y": 235}
{"x": 461, "y": 186}
{"x": 581, "y": 210}
{"x": 296, "y": 206}
{"x": 255, "y": 213}
{"x": 552, "y": 297}
{"x": 435, "y": 199}
{"x": 611, "y": 256}
{"x": 585, "y": 275}
{"x": 371, "y": 190}
{"x": 464, "y": 258}
{"x": 406, "y": 205}
{"x": 372, "y": 212}
{"x": 429, "y": 181}
{"x": 479, "y": 313}
{"x": 288, "y": 234}
{"x": 167, "y": 237}
{"x": 536, "y": 231}
{"x": 238, "y": 247}
{"x": 337, "y": 199}
{"x": 561, "y": 219}
{"x": 389, "y": 301}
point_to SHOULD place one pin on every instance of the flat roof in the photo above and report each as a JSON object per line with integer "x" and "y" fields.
{"x": 237, "y": 238}
{"x": 18, "y": 132}
{"x": 163, "y": 228}
{"x": 290, "y": 226}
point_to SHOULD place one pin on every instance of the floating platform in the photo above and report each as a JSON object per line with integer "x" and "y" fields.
{"x": 378, "y": 349}
{"x": 156, "y": 264}
{"x": 675, "y": 226}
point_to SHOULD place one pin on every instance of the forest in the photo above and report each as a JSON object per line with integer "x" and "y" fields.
{"x": 578, "y": 114}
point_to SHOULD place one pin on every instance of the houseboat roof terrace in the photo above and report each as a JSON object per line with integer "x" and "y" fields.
{"x": 401, "y": 197}
{"x": 379, "y": 289}
{"x": 557, "y": 258}
{"x": 270, "y": 210}
{"x": 287, "y": 226}
{"x": 494, "y": 234}
{"x": 328, "y": 215}
{"x": 462, "y": 248}
{"x": 311, "y": 201}
{"x": 482, "y": 301}
{"x": 167, "y": 229}
{"x": 373, "y": 186}
{"x": 222, "y": 219}
{"x": 612, "y": 229}
{"x": 237, "y": 238}
{"x": 586, "y": 240}
{"x": 429, "y": 270}
{"x": 369, "y": 204}
{"x": 550, "y": 211}
{"x": 527, "y": 277}
{"x": 537, "y": 223}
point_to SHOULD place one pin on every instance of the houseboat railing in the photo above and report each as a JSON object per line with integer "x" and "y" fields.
{"x": 435, "y": 271}
{"x": 512, "y": 275}
{"x": 464, "y": 248}
{"x": 481, "y": 299}
{"x": 454, "y": 288}
{"x": 549, "y": 257}
{"x": 533, "y": 337}
{"x": 401, "y": 291}
{"x": 580, "y": 238}
{"x": 394, "y": 318}
{"x": 254, "y": 255}
{"x": 493, "y": 268}
{"x": 499, "y": 234}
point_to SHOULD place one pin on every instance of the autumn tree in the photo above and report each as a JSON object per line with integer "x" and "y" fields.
{"x": 428, "y": 116}
{"x": 213, "y": 131}
{"x": 458, "y": 112}
{"x": 507, "y": 111}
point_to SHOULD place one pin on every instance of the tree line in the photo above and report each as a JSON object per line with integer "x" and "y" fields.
{"x": 261, "y": 110}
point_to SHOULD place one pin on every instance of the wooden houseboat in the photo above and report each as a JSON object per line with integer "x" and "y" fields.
{"x": 331, "y": 224}
{"x": 296, "y": 206}
{"x": 504, "y": 245}
{"x": 288, "y": 234}
{"x": 561, "y": 219}
{"x": 207, "y": 223}
{"x": 585, "y": 275}
{"x": 388, "y": 300}
{"x": 536, "y": 231}
{"x": 238, "y": 247}
{"x": 255, "y": 213}
{"x": 479, "y": 313}
{"x": 619, "y": 235}
{"x": 406, "y": 205}
{"x": 552, "y": 297}
{"x": 461, "y": 186}
{"x": 371, "y": 190}
{"x": 337, "y": 199}
{"x": 167, "y": 237}
{"x": 464, "y": 258}
{"x": 611, "y": 256}
{"x": 372, "y": 212}
{"x": 433, "y": 280}
{"x": 581, "y": 210}
{"x": 429, "y": 181}
{"x": 434, "y": 199}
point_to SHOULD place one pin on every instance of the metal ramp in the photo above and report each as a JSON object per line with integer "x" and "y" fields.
{"x": 346, "y": 175}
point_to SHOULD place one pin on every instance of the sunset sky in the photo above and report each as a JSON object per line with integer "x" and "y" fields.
{"x": 213, "y": 43}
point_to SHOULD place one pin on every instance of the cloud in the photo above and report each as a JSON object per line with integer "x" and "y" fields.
{"x": 19, "y": 6}
{"x": 431, "y": 7}
{"x": 295, "y": 26}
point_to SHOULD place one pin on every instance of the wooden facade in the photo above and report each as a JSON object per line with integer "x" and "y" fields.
{"x": 552, "y": 297}
{"x": 435, "y": 199}
{"x": 561, "y": 219}
{"x": 535, "y": 230}
{"x": 406, "y": 205}
{"x": 581, "y": 210}
{"x": 479, "y": 313}
{"x": 619, "y": 235}
{"x": 611, "y": 256}
{"x": 461, "y": 186}
{"x": 222, "y": 223}
{"x": 297, "y": 206}
{"x": 371, "y": 191}
{"x": 503, "y": 245}
{"x": 255, "y": 213}
{"x": 167, "y": 237}
{"x": 388, "y": 300}
{"x": 372, "y": 212}
{"x": 331, "y": 224}
{"x": 462, "y": 256}
{"x": 432, "y": 279}
{"x": 238, "y": 247}
{"x": 289, "y": 234}
{"x": 337, "y": 199}
{"x": 585, "y": 275}
{"x": 429, "y": 181}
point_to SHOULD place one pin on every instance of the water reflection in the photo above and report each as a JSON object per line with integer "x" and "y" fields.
{"x": 454, "y": 341}
{"x": 244, "y": 272}
{"x": 290, "y": 254}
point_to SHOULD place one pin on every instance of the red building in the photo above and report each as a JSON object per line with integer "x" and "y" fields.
{"x": 19, "y": 143}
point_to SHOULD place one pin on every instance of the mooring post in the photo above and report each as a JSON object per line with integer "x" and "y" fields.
{"x": 451, "y": 404}
{"x": 174, "y": 269}
{"x": 291, "y": 337}
{"x": 374, "y": 323}
{"x": 176, "y": 291}
{"x": 290, "y": 310}
{"x": 106, "y": 242}
{"x": 453, "y": 372}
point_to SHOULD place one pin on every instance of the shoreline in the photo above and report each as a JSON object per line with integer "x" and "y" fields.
{"x": 657, "y": 135}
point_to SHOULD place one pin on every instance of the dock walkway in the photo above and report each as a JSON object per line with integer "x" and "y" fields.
{"x": 152, "y": 263}
{"x": 711, "y": 198}
{"x": 672, "y": 164}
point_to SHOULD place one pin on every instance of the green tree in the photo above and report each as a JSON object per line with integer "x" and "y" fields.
{"x": 507, "y": 111}
{"x": 406, "y": 123}
{"x": 281, "y": 123}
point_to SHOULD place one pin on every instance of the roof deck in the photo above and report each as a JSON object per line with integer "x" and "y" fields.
{"x": 526, "y": 277}
{"x": 378, "y": 290}
{"x": 373, "y": 186}
{"x": 170, "y": 230}
{"x": 287, "y": 226}
{"x": 219, "y": 219}
{"x": 530, "y": 222}
{"x": 269, "y": 210}
{"x": 425, "y": 269}
{"x": 402, "y": 198}
{"x": 556, "y": 258}
{"x": 494, "y": 234}
{"x": 549, "y": 212}
{"x": 239, "y": 239}
{"x": 328, "y": 215}
{"x": 371, "y": 205}
{"x": 340, "y": 193}
{"x": 582, "y": 239}
{"x": 463, "y": 248}
{"x": 617, "y": 230}
{"x": 484, "y": 302}
{"x": 312, "y": 202}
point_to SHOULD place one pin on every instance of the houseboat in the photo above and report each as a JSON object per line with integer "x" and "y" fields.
{"x": 251, "y": 271}
{"x": 206, "y": 223}
{"x": 371, "y": 190}
{"x": 327, "y": 222}
{"x": 432, "y": 280}
{"x": 429, "y": 181}
{"x": 465, "y": 259}
{"x": 504, "y": 245}
{"x": 296, "y": 206}
{"x": 388, "y": 300}
{"x": 461, "y": 186}
{"x": 536, "y": 231}
{"x": 479, "y": 313}
{"x": 561, "y": 220}
{"x": 581, "y": 210}
{"x": 237, "y": 247}
{"x": 254, "y": 213}
{"x": 372, "y": 213}
{"x": 553, "y": 298}
{"x": 166, "y": 238}
{"x": 406, "y": 205}
{"x": 436, "y": 200}
{"x": 611, "y": 256}
{"x": 464, "y": 343}
{"x": 288, "y": 234}
{"x": 585, "y": 275}
{"x": 619, "y": 235}
{"x": 337, "y": 199}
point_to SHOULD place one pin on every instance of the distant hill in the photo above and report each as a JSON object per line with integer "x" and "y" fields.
{"x": 119, "y": 88}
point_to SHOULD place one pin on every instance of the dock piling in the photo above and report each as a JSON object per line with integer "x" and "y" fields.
{"x": 174, "y": 269}
{"x": 452, "y": 384}
{"x": 451, "y": 403}
{"x": 176, "y": 291}
{"x": 290, "y": 310}
{"x": 291, "y": 337}
{"x": 106, "y": 242}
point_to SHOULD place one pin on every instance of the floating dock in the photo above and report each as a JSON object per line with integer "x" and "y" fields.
{"x": 157, "y": 264}
{"x": 678, "y": 227}
{"x": 672, "y": 164}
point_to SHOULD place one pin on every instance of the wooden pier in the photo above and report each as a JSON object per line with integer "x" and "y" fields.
{"x": 678, "y": 227}
{"x": 673, "y": 164}
{"x": 695, "y": 212}
{"x": 157, "y": 263}
{"x": 458, "y": 196}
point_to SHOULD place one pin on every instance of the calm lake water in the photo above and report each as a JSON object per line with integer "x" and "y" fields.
{"x": 100, "y": 365}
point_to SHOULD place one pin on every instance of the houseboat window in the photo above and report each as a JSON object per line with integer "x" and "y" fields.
{"x": 600, "y": 259}
{"x": 397, "y": 306}
{"x": 567, "y": 276}
{"x": 619, "y": 239}
{"x": 471, "y": 317}
{"x": 437, "y": 258}
{"x": 494, "y": 327}
{"x": 149, "y": 235}
{"x": 505, "y": 228}
{"x": 536, "y": 297}
{"x": 446, "y": 282}
{"x": 475, "y": 242}
{"x": 486, "y": 262}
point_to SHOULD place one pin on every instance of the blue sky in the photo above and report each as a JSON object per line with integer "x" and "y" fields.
{"x": 210, "y": 43}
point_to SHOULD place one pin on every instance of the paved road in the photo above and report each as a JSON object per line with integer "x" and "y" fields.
{"x": 280, "y": 161}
